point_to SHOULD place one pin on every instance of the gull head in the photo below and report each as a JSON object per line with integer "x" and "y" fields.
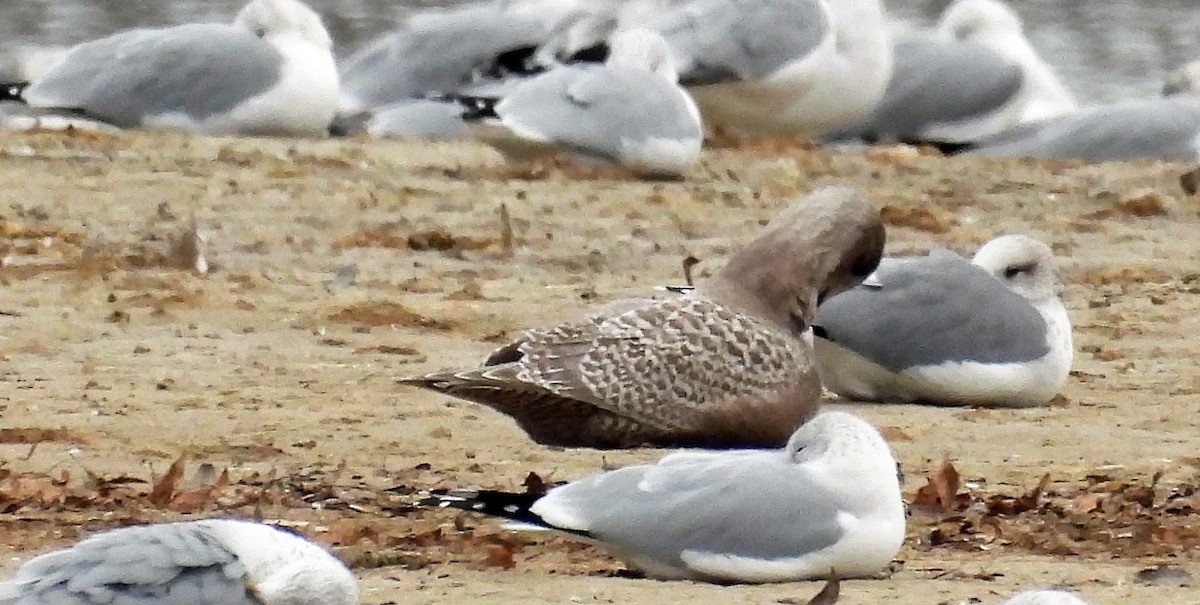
{"x": 820, "y": 245}
{"x": 308, "y": 582}
{"x": 269, "y": 19}
{"x": 1022, "y": 263}
{"x": 843, "y": 439}
{"x": 976, "y": 19}
{"x": 641, "y": 48}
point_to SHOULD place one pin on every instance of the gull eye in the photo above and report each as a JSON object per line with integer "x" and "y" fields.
{"x": 1015, "y": 270}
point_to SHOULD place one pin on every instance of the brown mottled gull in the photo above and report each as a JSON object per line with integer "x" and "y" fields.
{"x": 724, "y": 365}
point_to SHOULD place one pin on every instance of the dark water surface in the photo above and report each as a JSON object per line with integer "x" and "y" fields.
{"x": 1103, "y": 49}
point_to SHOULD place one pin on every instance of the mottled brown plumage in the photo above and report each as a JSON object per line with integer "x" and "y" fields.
{"x": 722, "y": 366}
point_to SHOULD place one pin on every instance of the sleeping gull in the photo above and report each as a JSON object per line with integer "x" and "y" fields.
{"x": 944, "y": 90}
{"x": 191, "y": 563}
{"x": 1159, "y": 128}
{"x": 629, "y": 111}
{"x": 270, "y": 72}
{"x": 937, "y": 329}
{"x": 724, "y": 365}
{"x": 1045, "y": 597}
{"x": 994, "y": 25}
{"x": 827, "y": 504}
{"x": 443, "y": 50}
{"x": 779, "y": 66}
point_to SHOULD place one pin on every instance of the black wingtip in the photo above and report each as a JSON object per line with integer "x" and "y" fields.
{"x": 13, "y": 91}
{"x": 474, "y": 108}
{"x": 506, "y": 505}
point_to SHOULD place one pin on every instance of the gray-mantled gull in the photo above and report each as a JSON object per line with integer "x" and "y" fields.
{"x": 722, "y": 366}
{"x": 944, "y": 90}
{"x": 443, "y": 50}
{"x": 827, "y": 504}
{"x": 1159, "y": 128}
{"x": 994, "y": 25}
{"x": 216, "y": 561}
{"x": 780, "y": 66}
{"x": 1045, "y": 597}
{"x": 269, "y": 72}
{"x": 938, "y": 329}
{"x": 628, "y": 111}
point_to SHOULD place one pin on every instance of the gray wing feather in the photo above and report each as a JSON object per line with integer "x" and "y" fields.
{"x": 937, "y": 81}
{"x": 443, "y": 55}
{"x": 931, "y": 310}
{"x": 168, "y": 564}
{"x": 728, "y": 40}
{"x": 596, "y": 110}
{"x": 199, "y": 70}
{"x": 1155, "y": 129}
{"x": 725, "y": 504}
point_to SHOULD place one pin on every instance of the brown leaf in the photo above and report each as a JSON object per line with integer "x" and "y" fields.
{"x": 1086, "y": 503}
{"x": 164, "y": 488}
{"x": 920, "y": 219}
{"x": 829, "y": 593}
{"x": 534, "y": 484}
{"x": 500, "y": 554}
{"x": 941, "y": 490}
{"x": 894, "y": 433}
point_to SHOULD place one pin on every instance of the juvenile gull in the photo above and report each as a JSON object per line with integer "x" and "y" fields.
{"x": 780, "y": 66}
{"x": 216, "y": 561}
{"x": 629, "y": 111}
{"x": 994, "y": 25}
{"x": 1045, "y": 597}
{"x": 827, "y": 504}
{"x": 269, "y": 72}
{"x": 724, "y": 365}
{"x": 937, "y": 329}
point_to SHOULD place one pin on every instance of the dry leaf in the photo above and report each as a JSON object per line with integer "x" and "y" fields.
{"x": 164, "y": 488}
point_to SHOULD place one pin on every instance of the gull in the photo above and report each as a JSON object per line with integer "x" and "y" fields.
{"x": 938, "y": 329}
{"x": 724, "y": 365}
{"x": 270, "y": 72}
{"x": 826, "y": 505}
{"x": 1160, "y": 128}
{"x": 945, "y": 91}
{"x": 765, "y": 67}
{"x": 628, "y": 111}
{"x": 215, "y": 561}
{"x": 992, "y": 24}
{"x": 445, "y": 50}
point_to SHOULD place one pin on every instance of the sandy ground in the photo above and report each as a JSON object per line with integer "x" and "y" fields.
{"x": 338, "y": 266}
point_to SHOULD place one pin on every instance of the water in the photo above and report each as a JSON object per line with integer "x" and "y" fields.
{"x": 1103, "y": 49}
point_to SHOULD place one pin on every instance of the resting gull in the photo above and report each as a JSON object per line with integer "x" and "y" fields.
{"x": 945, "y": 90}
{"x": 270, "y": 72}
{"x": 1045, "y": 597}
{"x": 444, "y": 50}
{"x": 806, "y": 67}
{"x": 725, "y": 365}
{"x": 938, "y": 329}
{"x": 1160, "y": 128}
{"x": 629, "y": 111}
{"x": 190, "y": 563}
{"x": 994, "y": 25}
{"x": 827, "y": 504}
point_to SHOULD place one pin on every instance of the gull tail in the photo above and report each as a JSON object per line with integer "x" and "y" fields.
{"x": 12, "y": 91}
